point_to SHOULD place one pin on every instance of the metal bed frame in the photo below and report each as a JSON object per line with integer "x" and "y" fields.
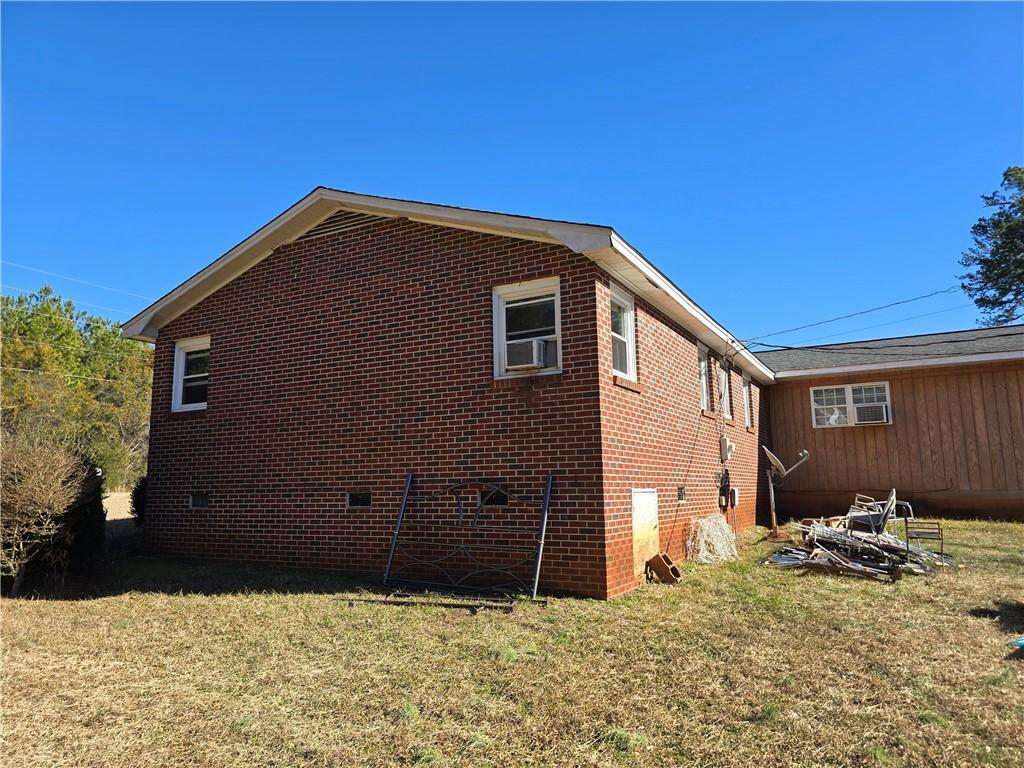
{"x": 529, "y": 553}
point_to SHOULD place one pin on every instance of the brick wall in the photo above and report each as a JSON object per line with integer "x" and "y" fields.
{"x": 342, "y": 363}
{"x": 654, "y": 435}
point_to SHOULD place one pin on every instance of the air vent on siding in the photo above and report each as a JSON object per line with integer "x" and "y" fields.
{"x": 342, "y": 221}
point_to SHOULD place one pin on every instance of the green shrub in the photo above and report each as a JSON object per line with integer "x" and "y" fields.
{"x": 41, "y": 484}
{"x": 139, "y": 501}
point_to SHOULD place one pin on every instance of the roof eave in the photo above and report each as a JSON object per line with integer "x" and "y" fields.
{"x": 627, "y": 265}
{"x": 928, "y": 362}
{"x": 601, "y": 244}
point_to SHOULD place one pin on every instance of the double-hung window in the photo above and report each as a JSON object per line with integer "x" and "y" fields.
{"x": 725, "y": 389}
{"x": 748, "y": 405}
{"x": 191, "y": 374}
{"x": 527, "y": 329}
{"x": 623, "y": 334}
{"x": 704, "y": 378}
{"x": 851, "y": 405}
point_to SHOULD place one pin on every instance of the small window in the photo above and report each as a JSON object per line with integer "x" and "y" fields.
{"x": 191, "y": 374}
{"x": 493, "y": 497}
{"x": 359, "y": 500}
{"x": 623, "y": 334}
{"x": 197, "y": 500}
{"x": 748, "y": 405}
{"x": 527, "y": 329}
{"x": 851, "y": 405}
{"x": 705, "y": 382}
{"x": 725, "y": 389}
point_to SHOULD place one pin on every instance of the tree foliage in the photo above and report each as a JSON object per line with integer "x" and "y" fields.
{"x": 995, "y": 263}
{"x": 69, "y": 378}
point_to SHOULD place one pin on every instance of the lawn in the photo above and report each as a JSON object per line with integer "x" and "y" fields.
{"x": 213, "y": 665}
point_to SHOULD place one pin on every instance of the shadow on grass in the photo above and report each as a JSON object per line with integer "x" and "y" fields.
{"x": 145, "y": 573}
{"x": 1009, "y": 614}
{"x": 128, "y": 569}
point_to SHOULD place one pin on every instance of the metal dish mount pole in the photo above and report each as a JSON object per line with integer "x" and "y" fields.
{"x": 777, "y": 472}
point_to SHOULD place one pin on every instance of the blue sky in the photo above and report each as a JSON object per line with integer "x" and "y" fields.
{"x": 782, "y": 163}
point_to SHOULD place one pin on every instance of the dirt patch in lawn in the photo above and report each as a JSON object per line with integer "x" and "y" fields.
{"x": 739, "y": 665}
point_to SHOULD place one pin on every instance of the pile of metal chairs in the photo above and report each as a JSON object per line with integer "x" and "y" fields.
{"x": 860, "y": 543}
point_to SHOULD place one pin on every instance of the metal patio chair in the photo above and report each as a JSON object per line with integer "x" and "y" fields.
{"x": 870, "y": 516}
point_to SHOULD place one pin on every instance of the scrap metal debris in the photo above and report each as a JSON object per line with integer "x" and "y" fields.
{"x": 844, "y": 552}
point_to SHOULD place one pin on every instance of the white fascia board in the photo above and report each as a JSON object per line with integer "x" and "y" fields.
{"x": 577, "y": 237}
{"x": 323, "y": 202}
{"x": 928, "y": 362}
{"x": 706, "y": 328}
{"x": 306, "y": 213}
{"x": 601, "y": 244}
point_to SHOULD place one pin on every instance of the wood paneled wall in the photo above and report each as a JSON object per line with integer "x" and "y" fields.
{"x": 956, "y": 442}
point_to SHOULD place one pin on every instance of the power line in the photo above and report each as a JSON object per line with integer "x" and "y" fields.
{"x": 74, "y": 301}
{"x": 842, "y": 349}
{"x": 933, "y": 343}
{"x": 877, "y": 325}
{"x": 67, "y": 375}
{"x": 854, "y": 314}
{"x": 75, "y": 280}
{"x": 84, "y": 350}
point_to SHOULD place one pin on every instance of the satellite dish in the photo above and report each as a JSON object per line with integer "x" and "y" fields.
{"x": 776, "y": 464}
{"x": 776, "y": 472}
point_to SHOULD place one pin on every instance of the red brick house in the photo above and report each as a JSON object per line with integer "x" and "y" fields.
{"x": 352, "y": 340}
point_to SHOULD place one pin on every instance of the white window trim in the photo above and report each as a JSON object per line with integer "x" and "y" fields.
{"x": 724, "y": 393}
{"x": 180, "y": 348}
{"x": 748, "y": 402}
{"x": 626, "y": 301}
{"x": 513, "y": 292}
{"x": 704, "y": 377}
{"x": 850, "y": 422}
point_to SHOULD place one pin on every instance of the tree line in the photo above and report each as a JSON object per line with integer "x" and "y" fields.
{"x": 71, "y": 379}
{"x": 74, "y": 397}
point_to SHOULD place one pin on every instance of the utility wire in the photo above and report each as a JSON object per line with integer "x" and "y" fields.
{"x": 84, "y": 350}
{"x": 74, "y": 301}
{"x": 841, "y": 349}
{"x": 854, "y": 314}
{"x": 877, "y": 325}
{"x": 75, "y": 280}
{"x": 66, "y": 375}
{"x": 933, "y": 343}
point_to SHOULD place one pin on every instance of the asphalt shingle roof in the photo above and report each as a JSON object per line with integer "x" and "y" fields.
{"x": 898, "y": 349}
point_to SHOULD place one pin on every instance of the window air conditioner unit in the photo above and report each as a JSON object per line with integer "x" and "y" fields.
{"x": 871, "y": 414}
{"x": 524, "y": 355}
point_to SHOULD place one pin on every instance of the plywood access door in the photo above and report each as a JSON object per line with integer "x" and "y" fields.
{"x": 645, "y": 527}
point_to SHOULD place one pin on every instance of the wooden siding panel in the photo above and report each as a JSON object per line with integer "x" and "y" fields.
{"x": 981, "y": 430}
{"x": 1002, "y": 441}
{"x": 957, "y": 430}
{"x": 1015, "y": 425}
{"x": 970, "y": 435}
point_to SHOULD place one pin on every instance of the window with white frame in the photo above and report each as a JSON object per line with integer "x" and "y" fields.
{"x": 748, "y": 405}
{"x": 725, "y": 388}
{"x": 851, "y": 405}
{"x": 527, "y": 329}
{"x": 191, "y": 374}
{"x": 705, "y": 381}
{"x": 623, "y": 334}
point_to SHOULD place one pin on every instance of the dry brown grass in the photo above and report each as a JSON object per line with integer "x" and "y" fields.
{"x": 737, "y": 666}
